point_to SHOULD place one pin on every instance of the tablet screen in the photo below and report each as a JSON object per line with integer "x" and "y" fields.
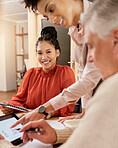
{"x": 11, "y": 135}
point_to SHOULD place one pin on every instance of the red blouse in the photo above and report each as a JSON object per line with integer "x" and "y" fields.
{"x": 37, "y": 87}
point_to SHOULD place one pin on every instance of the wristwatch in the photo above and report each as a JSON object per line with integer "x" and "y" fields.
{"x": 42, "y": 109}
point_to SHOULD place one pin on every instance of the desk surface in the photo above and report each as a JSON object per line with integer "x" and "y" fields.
{"x": 21, "y": 114}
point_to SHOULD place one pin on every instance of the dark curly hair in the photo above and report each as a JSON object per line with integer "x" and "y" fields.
{"x": 49, "y": 34}
{"x": 31, "y": 4}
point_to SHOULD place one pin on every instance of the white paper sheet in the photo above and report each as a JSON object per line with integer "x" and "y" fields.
{"x": 72, "y": 123}
{"x": 36, "y": 144}
{"x": 55, "y": 124}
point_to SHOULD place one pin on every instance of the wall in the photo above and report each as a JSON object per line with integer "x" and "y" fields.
{"x": 7, "y": 76}
{"x": 32, "y": 38}
{"x": 2, "y": 63}
{"x": 7, "y": 54}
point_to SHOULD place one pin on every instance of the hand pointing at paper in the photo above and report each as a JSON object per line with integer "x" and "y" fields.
{"x": 35, "y": 115}
{"x": 30, "y": 116}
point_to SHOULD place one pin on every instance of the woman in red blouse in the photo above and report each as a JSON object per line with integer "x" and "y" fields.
{"x": 40, "y": 84}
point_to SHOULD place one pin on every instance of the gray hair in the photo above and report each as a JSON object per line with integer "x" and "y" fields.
{"x": 103, "y": 16}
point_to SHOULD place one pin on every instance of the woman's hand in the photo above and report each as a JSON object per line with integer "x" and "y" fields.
{"x": 6, "y": 110}
{"x": 47, "y": 134}
{"x": 35, "y": 115}
{"x": 72, "y": 117}
{"x": 30, "y": 116}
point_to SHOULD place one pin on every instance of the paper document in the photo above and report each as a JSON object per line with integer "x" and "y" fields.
{"x": 55, "y": 124}
{"x": 36, "y": 144}
{"x": 72, "y": 123}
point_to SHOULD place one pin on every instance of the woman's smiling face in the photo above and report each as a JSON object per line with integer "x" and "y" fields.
{"x": 47, "y": 55}
{"x": 59, "y": 12}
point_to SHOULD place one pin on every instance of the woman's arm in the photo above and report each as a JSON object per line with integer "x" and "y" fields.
{"x": 20, "y": 98}
{"x": 91, "y": 77}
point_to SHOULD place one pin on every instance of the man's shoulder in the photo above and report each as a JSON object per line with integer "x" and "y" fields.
{"x": 106, "y": 92}
{"x": 110, "y": 83}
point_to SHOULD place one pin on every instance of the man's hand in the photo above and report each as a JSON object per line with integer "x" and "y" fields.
{"x": 47, "y": 134}
{"x": 31, "y": 116}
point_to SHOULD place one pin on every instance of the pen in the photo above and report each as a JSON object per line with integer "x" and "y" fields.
{"x": 39, "y": 130}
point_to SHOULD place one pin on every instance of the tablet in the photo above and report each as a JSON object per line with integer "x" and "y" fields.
{"x": 11, "y": 135}
{"x": 14, "y": 107}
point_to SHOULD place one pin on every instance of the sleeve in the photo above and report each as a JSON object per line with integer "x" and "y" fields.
{"x": 91, "y": 77}
{"x": 20, "y": 98}
{"x": 85, "y": 98}
{"x": 67, "y": 79}
{"x": 63, "y": 134}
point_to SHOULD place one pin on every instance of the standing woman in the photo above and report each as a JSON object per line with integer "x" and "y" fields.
{"x": 40, "y": 84}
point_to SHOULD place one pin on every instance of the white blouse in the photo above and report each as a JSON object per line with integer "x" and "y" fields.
{"x": 89, "y": 76}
